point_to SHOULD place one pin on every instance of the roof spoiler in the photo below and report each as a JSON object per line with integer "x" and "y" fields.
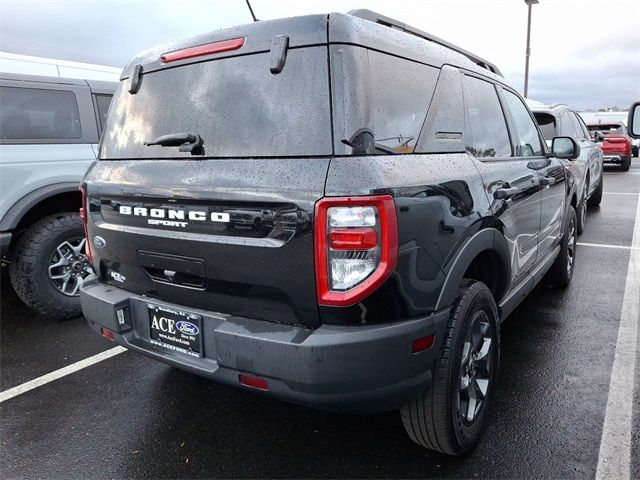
{"x": 390, "y": 22}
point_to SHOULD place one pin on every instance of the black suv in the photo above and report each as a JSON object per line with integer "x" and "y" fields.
{"x": 329, "y": 211}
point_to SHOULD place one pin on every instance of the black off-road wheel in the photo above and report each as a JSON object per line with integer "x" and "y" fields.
{"x": 561, "y": 272}
{"x": 596, "y": 197}
{"x": 49, "y": 266}
{"x": 452, "y": 416}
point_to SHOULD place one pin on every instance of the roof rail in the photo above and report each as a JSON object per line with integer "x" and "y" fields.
{"x": 390, "y": 22}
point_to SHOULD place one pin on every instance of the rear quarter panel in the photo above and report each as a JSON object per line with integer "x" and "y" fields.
{"x": 25, "y": 168}
{"x": 440, "y": 202}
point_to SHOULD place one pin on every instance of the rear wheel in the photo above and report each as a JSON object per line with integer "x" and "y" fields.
{"x": 49, "y": 266}
{"x": 596, "y": 198}
{"x": 581, "y": 214}
{"x": 451, "y": 416}
{"x": 626, "y": 163}
{"x": 561, "y": 272}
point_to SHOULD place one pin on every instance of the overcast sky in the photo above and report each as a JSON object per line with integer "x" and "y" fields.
{"x": 584, "y": 52}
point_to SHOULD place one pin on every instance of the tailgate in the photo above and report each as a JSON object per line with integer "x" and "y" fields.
{"x": 226, "y": 235}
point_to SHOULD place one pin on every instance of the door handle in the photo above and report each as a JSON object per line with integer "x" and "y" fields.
{"x": 539, "y": 164}
{"x": 547, "y": 181}
{"x": 505, "y": 192}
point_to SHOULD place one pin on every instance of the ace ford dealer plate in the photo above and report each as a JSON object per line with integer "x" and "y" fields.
{"x": 175, "y": 329}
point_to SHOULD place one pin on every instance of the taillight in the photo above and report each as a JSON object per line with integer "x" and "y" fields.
{"x": 356, "y": 247}
{"x": 199, "y": 50}
{"x": 83, "y": 217}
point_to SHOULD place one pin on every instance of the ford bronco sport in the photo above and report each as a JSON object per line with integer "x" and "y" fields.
{"x": 329, "y": 211}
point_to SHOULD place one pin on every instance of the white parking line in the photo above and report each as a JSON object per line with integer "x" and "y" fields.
{"x": 56, "y": 374}
{"x": 603, "y": 245}
{"x": 614, "y": 459}
{"x": 620, "y": 193}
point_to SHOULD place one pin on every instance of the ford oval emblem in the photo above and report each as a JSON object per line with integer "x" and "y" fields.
{"x": 99, "y": 242}
{"x": 187, "y": 327}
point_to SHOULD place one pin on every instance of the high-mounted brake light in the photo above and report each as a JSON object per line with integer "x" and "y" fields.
{"x": 206, "y": 49}
{"x": 84, "y": 218}
{"x": 356, "y": 247}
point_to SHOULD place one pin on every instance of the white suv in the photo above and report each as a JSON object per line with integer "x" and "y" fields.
{"x": 49, "y": 131}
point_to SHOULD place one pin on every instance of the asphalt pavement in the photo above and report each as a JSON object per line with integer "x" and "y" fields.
{"x": 129, "y": 416}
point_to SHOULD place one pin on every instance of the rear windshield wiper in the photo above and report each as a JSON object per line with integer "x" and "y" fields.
{"x": 363, "y": 143}
{"x": 188, "y": 142}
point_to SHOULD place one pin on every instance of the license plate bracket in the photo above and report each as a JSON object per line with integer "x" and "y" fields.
{"x": 175, "y": 329}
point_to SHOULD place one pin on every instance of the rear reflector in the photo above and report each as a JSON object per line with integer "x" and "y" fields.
{"x": 84, "y": 218}
{"x": 355, "y": 239}
{"x": 108, "y": 334}
{"x": 207, "y": 49}
{"x": 422, "y": 343}
{"x": 254, "y": 382}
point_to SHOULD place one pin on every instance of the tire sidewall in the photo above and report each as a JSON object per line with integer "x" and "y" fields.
{"x": 38, "y": 261}
{"x": 467, "y": 435}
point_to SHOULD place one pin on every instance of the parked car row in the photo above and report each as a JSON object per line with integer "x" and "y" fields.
{"x": 360, "y": 258}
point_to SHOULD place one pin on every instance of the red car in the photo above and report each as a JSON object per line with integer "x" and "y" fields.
{"x": 616, "y": 144}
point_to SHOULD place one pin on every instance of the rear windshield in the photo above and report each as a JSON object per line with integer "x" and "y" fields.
{"x": 237, "y": 106}
{"x": 607, "y": 128}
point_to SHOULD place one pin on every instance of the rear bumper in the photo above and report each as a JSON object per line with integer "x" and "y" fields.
{"x": 614, "y": 158}
{"x": 357, "y": 369}
{"x": 5, "y": 241}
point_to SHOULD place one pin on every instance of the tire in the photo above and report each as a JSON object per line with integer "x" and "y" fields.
{"x": 41, "y": 251}
{"x": 626, "y": 163}
{"x": 596, "y": 197}
{"x": 581, "y": 214}
{"x": 634, "y": 151}
{"x": 435, "y": 419}
{"x": 561, "y": 272}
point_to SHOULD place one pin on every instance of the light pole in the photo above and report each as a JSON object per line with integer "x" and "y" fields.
{"x": 528, "y": 51}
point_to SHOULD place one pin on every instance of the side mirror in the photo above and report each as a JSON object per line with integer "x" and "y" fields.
{"x": 598, "y": 136}
{"x": 633, "y": 122}
{"x": 565, "y": 147}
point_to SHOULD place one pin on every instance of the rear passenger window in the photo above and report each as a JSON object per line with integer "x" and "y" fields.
{"x": 38, "y": 114}
{"x": 103, "y": 102}
{"x": 582, "y": 128}
{"x": 528, "y": 141}
{"x": 569, "y": 126}
{"x": 401, "y": 92}
{"x": 487, "y": 134}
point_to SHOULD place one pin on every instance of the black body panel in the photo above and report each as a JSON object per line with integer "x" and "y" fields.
{"x": 258, "y": 265}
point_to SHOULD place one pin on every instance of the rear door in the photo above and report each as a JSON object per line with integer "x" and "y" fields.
{"x": 549, "y": 171}
{"x": 511, "y": 185}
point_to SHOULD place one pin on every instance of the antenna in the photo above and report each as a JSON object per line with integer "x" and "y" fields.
{"x": 253, "y": 15}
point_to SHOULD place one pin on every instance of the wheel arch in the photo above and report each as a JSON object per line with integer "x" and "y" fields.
{"x": 47, "y": 200}
{"x": 485, "y": 257}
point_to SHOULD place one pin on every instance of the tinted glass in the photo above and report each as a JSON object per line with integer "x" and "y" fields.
{"x": 103, "y": 102}
{"x": 401, "y": 92}
{"x": 570, "y": 126}
{"x": 583, "y": 126}
{"x": 528, "y": 141}
{"x": 547, "y": 125}
{"x": 236, "y": 105}
{"x": 607, "y": 128}
{"x": 38, "y": 114}
{"x": 487, "y": 134}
